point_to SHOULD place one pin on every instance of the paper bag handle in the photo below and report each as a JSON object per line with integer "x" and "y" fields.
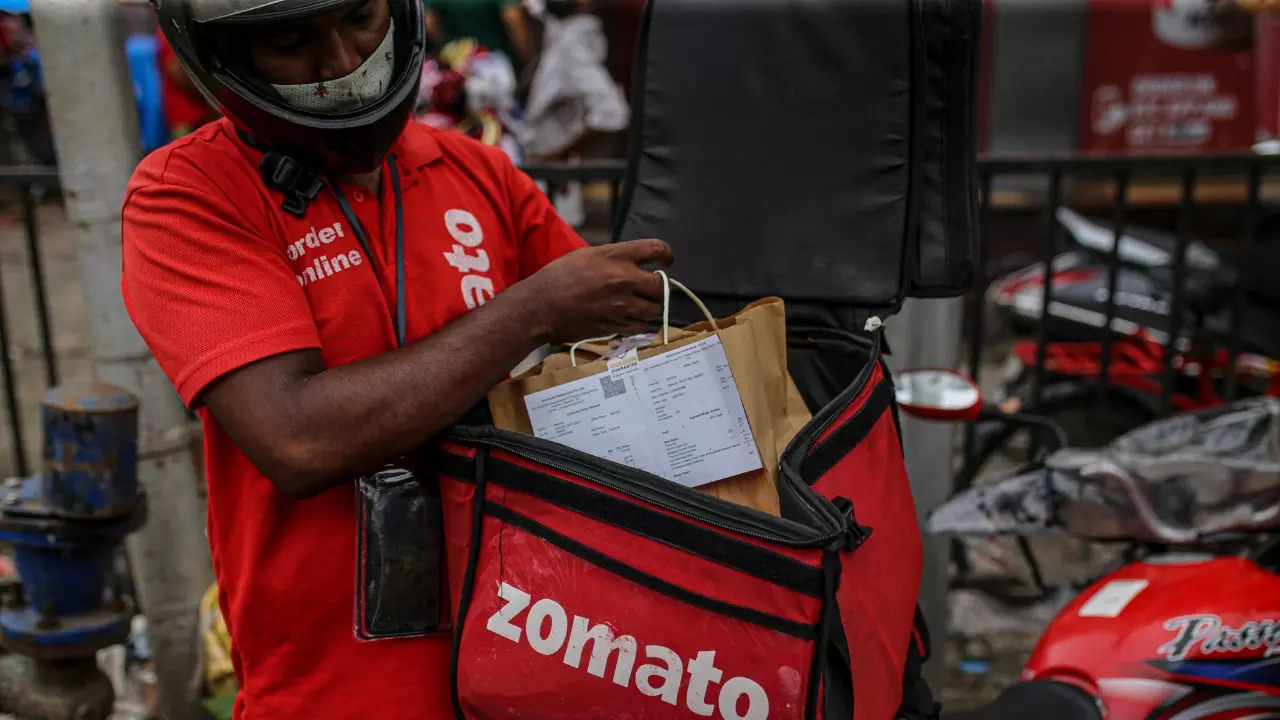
{"x": 667, "y": 282}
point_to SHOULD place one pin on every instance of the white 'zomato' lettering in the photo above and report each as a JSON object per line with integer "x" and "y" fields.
{"x": 547, "y": 630}
{"x": 465, "y": 229}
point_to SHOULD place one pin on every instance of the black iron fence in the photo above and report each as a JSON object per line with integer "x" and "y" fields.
{"x": 1200, "y": 309}
{"x": 21, "y": 184}
{"x": 1037, "y": 185}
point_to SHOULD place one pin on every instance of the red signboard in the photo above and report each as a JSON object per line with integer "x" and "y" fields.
{"x": 1167, "y": 76}
{"x": 1267, "y": 46}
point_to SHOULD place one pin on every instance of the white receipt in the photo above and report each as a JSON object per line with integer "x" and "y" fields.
{"x": 677, "y": 415}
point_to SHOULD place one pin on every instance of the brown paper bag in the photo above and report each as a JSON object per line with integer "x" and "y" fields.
{"x": 754, "y": 342}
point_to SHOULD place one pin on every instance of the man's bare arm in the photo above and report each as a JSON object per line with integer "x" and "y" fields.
{"x": 435, "y": 33}
{"x": 308, "y": 428}
{"x": 517, "y": 25}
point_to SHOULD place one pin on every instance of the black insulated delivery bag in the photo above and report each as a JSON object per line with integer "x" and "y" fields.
{"x": 810, "y": 149}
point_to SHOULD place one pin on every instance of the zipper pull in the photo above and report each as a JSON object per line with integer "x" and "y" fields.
{"x": 855, "y": 533}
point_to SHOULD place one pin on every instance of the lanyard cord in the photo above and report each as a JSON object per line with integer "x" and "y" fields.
{"x": 398, "y": 315}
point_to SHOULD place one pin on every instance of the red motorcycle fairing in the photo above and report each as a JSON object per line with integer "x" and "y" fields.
{"x": 1177, "y": 637}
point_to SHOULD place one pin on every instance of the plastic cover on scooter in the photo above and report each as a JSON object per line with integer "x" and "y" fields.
{"x": 1174, "y": 480}
{"x": 587, "y": 589}
{"x": 834, "y": 138}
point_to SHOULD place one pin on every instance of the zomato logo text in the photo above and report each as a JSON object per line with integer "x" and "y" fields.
{"x": 548, "y": 630}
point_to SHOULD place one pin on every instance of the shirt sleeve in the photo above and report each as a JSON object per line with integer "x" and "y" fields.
{"x": 207, "y": 293}
{"x": 544, "y": 235}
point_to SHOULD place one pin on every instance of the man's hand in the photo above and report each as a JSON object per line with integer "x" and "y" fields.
{"x": 597, "y": 291}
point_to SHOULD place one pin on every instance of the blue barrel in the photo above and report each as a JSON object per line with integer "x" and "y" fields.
{"x": 90, "y": 451}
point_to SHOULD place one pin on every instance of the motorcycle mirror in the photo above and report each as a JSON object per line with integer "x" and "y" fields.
{"x": 937, "y": 394}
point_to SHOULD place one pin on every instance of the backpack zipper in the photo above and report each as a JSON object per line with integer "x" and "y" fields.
{"x": 671, "y": 504}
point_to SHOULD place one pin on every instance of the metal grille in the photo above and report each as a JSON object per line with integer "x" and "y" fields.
{"x": 24, "y": 180}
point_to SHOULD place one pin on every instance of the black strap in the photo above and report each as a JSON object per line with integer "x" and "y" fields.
{"x": 469, "y": 576}
{"x": 291, "y": 178}
{"x": 918, "y": 702}
{"x": 831, "y": 664}
{"x": 398, "y": 317}
{"x": 837, "y": 678}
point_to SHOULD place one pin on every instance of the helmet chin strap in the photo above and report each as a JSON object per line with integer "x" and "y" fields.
{"x": 360, "y": 88}
{"x": 298, "y": 183}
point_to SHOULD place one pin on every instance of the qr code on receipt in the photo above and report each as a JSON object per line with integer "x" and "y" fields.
{"x": 613, "y": 388}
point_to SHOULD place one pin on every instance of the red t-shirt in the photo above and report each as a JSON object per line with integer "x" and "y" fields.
{"x": 182, "y": 109}
{"x": 217, "y": 276}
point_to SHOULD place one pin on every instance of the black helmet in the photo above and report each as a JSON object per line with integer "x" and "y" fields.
{"x": 355, "y": 141}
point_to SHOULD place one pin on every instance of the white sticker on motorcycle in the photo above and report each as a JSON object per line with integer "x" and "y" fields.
{"x": 1112, "y": 598}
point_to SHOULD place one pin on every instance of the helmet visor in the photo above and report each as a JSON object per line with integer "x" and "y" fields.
{"x": 259, "y": 10}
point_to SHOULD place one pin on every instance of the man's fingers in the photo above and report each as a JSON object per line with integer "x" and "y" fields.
{"x": 644, "y": 310}
{"x": 643, "y": 252}
{"x": 649, "y": 286}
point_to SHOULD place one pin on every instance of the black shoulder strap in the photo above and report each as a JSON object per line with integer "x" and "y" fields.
{"x": 917, "y": 698}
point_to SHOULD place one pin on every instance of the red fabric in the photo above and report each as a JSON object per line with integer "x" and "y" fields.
{"x": 536, "y": 667}
{"x": 794, "y": 553}
{"x": 217, "y": 276}
{"x": 881, "y": 579}
{"x": 184, "y": 110}
{"x": 672, "y": 565}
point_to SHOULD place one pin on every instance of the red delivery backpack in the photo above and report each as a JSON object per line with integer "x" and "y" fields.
{"x": 587, "y": 589}
{"x": 767, "y": 135}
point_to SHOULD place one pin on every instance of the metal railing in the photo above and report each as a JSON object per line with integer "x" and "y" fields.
{"x": 1246, "y": 174}
{"x": 25, "y": 180}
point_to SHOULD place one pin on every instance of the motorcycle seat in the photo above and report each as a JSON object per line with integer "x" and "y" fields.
{"x": 1253, "y": 272}
{"x": 1206, "y": 290}
{"x": 1041, "y": 699}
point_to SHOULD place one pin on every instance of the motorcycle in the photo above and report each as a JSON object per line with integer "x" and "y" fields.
{"x": 1140, "y": 328}
{"x": 1188, "y": 627}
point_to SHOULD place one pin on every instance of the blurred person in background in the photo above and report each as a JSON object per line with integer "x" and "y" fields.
{"x": 622, "y": 20}
{"x": 24, "y": 88}
{"x": 573, "y": 100}
{"x": 497, "y": 25}
{"x": 472, "y": 90}
{"x": 185, "y": 109}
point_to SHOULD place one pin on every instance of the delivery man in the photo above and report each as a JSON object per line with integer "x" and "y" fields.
{"x": 330, "y": 288}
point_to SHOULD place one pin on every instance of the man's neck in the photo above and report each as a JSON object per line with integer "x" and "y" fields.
{"x": 368, "y": 180}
